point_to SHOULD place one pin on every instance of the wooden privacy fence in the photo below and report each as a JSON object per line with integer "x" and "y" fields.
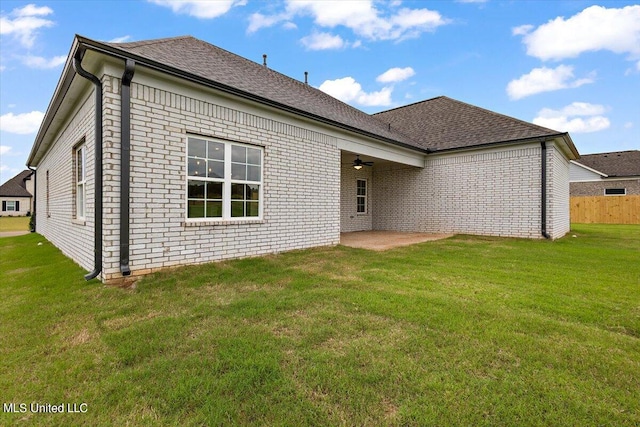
{"x": 606, "y": 209}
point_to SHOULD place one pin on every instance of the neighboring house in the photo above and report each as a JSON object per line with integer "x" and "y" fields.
{"x": 606, "y": 174}
{"x": 180, "y": 152}
{"x": 17, "y": 195}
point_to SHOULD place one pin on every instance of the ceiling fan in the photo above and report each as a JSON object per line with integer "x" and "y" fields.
{"x": 357, "y": 163}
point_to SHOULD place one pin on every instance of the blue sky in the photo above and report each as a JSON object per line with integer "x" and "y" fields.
{"x": 568, "y": 65}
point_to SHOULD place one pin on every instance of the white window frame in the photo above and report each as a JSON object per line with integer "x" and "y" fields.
{"x": 227, "y": 182}
{"x": 80, "y": 177}
{"x": 365, "y": 196}
{"x": 13, "y": 206}
{"x": 609, "y": 195}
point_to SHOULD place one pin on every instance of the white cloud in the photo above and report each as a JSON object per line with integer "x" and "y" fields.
{"x": 323, "y": 41}
{"x": 200, "y": 9}
{"x": 4, "y": 149}
{"x": 122, "y": 39}
{"x": 364, "y": 18}
{"x": 578, "y": 117}
{"x": 258, "y": 21}
{"x": 545, "y": 80}
{"x": 23, "y": 124}
{"x": 595, "y": 28}
{"x": 521, "y": 30}
{"x": 43, "y": 63}
{"x": 23, "y": 23}
{"x": 395, "y": 75}
{"x": 348, "y": 90}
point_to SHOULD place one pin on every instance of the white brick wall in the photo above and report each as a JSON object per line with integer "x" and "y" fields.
{"x": 350, "y": 220}
{"x": 54, "y": 217}
{"x": 489, "y": 192}
{"x": 308, "y": 197}
{"x": 301, "y": 179}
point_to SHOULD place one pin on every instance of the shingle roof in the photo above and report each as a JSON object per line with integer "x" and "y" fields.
{"x": 615, "y": 164}
{"x": 15, "y": 187}
{"x": 205, "y": 60}
{"x": 443, "y": 123}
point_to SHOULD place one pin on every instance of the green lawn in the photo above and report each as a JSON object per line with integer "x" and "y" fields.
{"x": 464, "y": 331}
{"x": 14, "y": 223}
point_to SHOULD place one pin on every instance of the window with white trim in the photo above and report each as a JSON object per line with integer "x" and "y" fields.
{"x": 224, "y": 180}
{"x": 10, "y": 206}
{"x": 79, "y": 154}
{"x": 361, "y": 196}
{"x": 615, "y": 191}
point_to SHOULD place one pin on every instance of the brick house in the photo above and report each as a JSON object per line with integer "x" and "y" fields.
{"x": 16, "y": 195}
{"x": 606, "y": 174}
{"x": 173, "y": 151}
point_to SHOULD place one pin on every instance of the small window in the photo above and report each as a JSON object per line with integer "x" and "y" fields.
{"x": 80, "y": 179}
{"x": 11, "y": 206}
{"x": 361, "y": 196}
{"x": 615, "y": 191}
{"x": 224, "y": 180}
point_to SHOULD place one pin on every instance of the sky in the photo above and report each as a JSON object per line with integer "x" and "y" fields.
{"x": 570, "y": 66}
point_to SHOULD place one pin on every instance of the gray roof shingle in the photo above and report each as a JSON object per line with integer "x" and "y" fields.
{"x": 15, "y": 187}
{"x": 437, "y": 124}
{"x": 205, "y": 60}
{"x": 614, "y": 164}
{"x": 443, "y": 123}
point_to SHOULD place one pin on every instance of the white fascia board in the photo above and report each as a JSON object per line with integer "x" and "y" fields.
{"x": 588, "y": 168}
{"x": 382, "y": 151}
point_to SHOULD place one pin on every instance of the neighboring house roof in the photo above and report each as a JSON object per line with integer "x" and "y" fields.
{"x": 16, "y": 187}
{"x": 443, "y": 123}
{"x": 614, "y": 164}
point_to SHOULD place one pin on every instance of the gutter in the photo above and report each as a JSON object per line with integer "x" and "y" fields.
{"x": 97, "y": 245}
{"x": 125, "y": 162}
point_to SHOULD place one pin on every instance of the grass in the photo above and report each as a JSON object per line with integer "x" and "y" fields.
{"x": 463, "y": 331}
{"x": 14, "y": 223}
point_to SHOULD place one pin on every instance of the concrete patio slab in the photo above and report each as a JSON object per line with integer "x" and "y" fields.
{"x": 13, "y": 233}
{"x": 383, "y": 240}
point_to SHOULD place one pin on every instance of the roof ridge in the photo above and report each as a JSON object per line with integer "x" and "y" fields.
{"x": 410, "y": 105}
{"x": 149, "y": 42}
{"x": 610, "y": 152}
{"x": 524, "y": 122}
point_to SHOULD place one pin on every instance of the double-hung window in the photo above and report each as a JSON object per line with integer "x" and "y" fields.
{"x": 224, "y": 180}
{"x": 361, "y": 196}
{"x": 81, "y": 183}
{"x": 10, "y": 206}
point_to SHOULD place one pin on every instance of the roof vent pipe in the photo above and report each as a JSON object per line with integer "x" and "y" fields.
{"x": 306, "y": 77}
{"x": 264, "y": 59}
{"x": 97, "y": 207}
